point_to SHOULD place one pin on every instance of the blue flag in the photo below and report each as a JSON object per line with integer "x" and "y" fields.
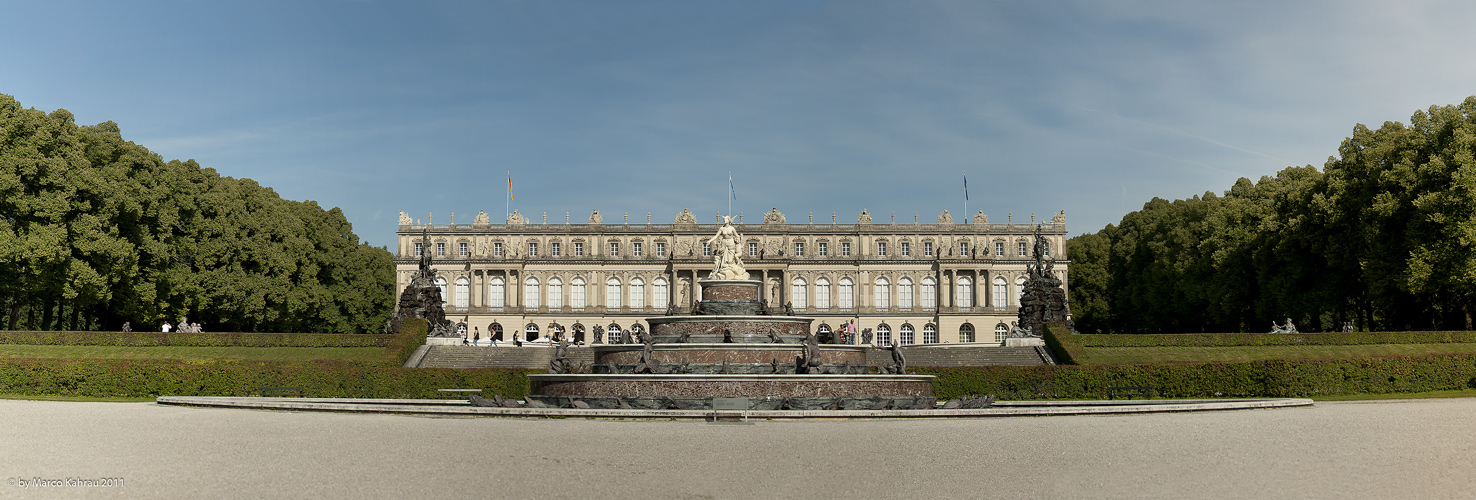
{"x": 730, "y": 187}
{"x": 966, "y": 187}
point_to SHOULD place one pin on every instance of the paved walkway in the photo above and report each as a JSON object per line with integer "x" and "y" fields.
{"x": 1403, "y": 449}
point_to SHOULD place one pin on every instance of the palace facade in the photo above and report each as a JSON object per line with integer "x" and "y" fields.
{"x": 910, "y": 283}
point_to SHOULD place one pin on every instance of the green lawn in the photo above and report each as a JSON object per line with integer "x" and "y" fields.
{"x": 1154, "y": 355}
{"x": 193, "y": 353}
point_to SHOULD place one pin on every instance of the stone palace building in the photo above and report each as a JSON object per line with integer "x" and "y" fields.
{"x": 911, "y": 283}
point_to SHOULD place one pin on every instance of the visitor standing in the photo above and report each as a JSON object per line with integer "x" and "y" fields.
{"x": 166, "y": 327}
{"x": 476, "y": 335}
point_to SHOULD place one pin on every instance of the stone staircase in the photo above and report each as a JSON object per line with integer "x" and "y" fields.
{"x": 940, "y": 356}
{"x": 445, "y": 356}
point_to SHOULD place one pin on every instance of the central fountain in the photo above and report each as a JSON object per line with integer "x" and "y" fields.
{"x": 732, "y": 349}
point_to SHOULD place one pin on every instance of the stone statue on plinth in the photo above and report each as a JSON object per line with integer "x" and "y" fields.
{"x": 727, "y": 265}
{"x": 422, "y": 298}
{"x": 1042, "y": 300}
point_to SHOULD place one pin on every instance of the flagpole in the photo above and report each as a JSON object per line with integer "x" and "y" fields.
{"x": 731, "y": 194}
{"x": 966, "y": 197}
{"x": 507, "y": 204}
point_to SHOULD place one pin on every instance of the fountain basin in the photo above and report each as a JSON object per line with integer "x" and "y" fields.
{"x": 694, "y": 391}
{"x": 742, "y": 329}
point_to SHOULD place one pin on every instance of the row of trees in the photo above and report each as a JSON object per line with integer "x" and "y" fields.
{"x": 96, "y": 231}
{"x": 1383, "y": 236}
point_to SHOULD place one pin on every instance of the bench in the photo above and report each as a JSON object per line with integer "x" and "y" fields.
{"x": 1146, "y": 391}
{"x": 729, "y": 407}
{"x": 279, "y": 392}
{"x": 458, "y": 393}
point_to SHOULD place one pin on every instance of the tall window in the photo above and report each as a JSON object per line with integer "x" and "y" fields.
{"x": 555, "y": 293}
{"x": 966, "y": 333}
{"x": 753, "y": 249}
{"x": 555, "y": 249}
{"x": 463, "y": 292}
{"x": 883, "y": 293}
{"x": 635, "y": 249}
{"x": 612, "y": 334}
{"x": 532, "y": 249}
{"x": 822, "y": 293}
{"x": 904, "y": 293}
{"x": 659, "y": 290}
{"x": 441, "y": 283}
{"x": 576, "y": 293}
{"x": 661, "y": 249}
{"x": 797, "y": 293}
{"x": 965, "y": 292}
{"x": 845, "y": 249}
{"x": 579, "y": 249}
{"x": 963, "y": 249}
{"x": 461, "y": 249}
{"x": 823, "y": 248}
{"x": 1019, "y": 289}
{"x": 612, "y": 293}
{"x": 637, "y": 293}
{"x": 906, "y": 249}
{"x": 530, "y": 293}
{"x": 883, "y": 335}
{"x": 927, "y": 249}
{"x": 999, "y": 291}
{"x": 440, "y": 249}
{"x": 930, "y": 334}
{"x": 799, "y": 249}
{"x": 419, "y": 250}
{"x": 905, "y": 336}
{"x": 497, "y": 249}
{"x": 1045, "y": 246}
{"x": 847, "y": 293}
{"x": 497, "y": 292}
{"x": 1021, "y": 247}
{"x": 999, "y": 249}
{"x": 614, "y": 249}
{"x": 881, "y": 249}
{"x": 929, "y": 292}
{"x": 707, "y": 249}
{"x": 1001, "y": 332}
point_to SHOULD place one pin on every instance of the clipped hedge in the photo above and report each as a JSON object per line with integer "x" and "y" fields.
{"x": 98, "y": 378}
{"x": 1273, "y": 339}
{"x": 143, "y": 339}
{"x": 1269, "y": 378}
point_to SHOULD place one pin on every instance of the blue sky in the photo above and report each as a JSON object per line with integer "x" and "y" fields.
{"x": 636, "y": 106}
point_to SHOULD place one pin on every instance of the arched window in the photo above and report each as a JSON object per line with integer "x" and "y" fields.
{"x": 494, "y": 330}
{"x": 930, "y": 334}
{"x": 1019, "y": 289}
{"x": 441, "y": 284}
{"x": 461, "y": 329}
{"x": 637, "y": 293}
{"x": 965, "y": 292}
{"x": 883, "y": 335}
{"x": 612, "y": 293}
{"x": 530, "y": 293}
{"x": 577, "y": 330}
{"x": 576, "y": 293}
{"x": 904, "y": 335}
{"x": 847, "y": 294}
{"x": 555, "y": 293}
{"x": 612, "y": 334}
{"x": 797, "y": 293}
{"x": 530, "y": 332}
{"x": 659, "y": 291}
{"x": 966, "y": 333}
{"x": 1001, "y": 332}
{"x": 636, "y": 330}
{"x": 497, "y": 292}
{"x": 929, "y": 293}
{"x": 904, "y": 293}
{"x": 883, "y": 293}
{"x": 999, "y": 291}
{"x": 822, "y": 294}
{"x": 463, "y": 292}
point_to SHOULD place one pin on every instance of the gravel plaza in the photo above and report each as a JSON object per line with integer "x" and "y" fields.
{"x": 1373, "y": 449}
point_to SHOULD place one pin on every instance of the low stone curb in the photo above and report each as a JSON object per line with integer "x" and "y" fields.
{"x": 463, "y": 408}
